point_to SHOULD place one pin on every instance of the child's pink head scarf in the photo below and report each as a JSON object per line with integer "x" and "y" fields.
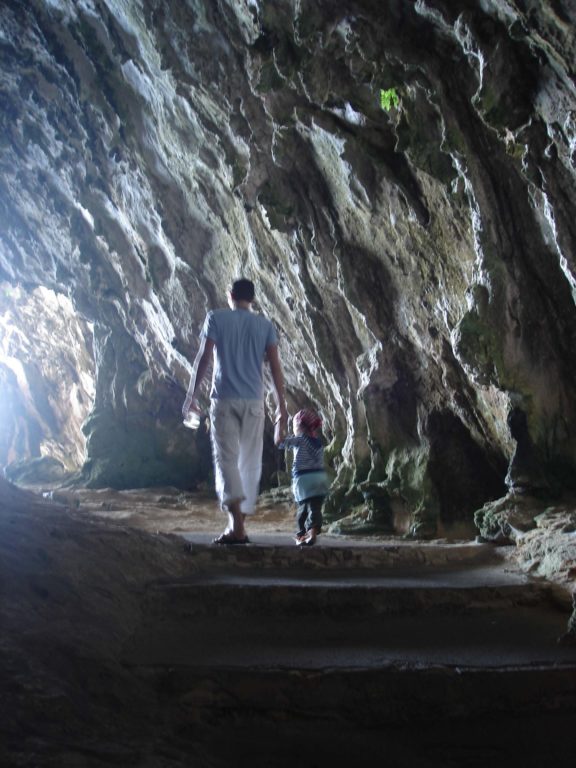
{"x": 308, "y": 420}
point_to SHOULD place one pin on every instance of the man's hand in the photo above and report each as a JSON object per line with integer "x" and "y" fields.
{"x": 200, "y": 368}
{"x": 281, "y": 418}
{"x": 190, "y": 404}
{"x": 280, "y": 425}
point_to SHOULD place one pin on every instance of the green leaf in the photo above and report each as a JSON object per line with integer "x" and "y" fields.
{"x": 389, "y": 99}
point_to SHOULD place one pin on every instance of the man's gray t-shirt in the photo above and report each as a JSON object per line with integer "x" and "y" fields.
{"x": 241, "y": 338}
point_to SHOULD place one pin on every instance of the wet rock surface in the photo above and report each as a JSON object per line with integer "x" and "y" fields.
{"x": 416, "y": 254}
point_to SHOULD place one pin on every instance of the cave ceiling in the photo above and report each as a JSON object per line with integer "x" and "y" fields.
{"x": 415, "y": 250}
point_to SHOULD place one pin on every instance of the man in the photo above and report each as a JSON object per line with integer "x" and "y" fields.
{"x": 239, "y": 341}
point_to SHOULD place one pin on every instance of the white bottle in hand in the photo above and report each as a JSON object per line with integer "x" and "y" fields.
{"x": 192, "y": 420}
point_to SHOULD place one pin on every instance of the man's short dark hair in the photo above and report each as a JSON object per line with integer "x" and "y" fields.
{"x": 242, "y": 290}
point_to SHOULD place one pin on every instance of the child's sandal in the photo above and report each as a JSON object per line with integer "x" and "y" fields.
{"x": 310, "y": 537}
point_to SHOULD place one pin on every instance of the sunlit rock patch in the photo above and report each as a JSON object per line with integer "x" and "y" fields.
{"x": 47, "y": 383}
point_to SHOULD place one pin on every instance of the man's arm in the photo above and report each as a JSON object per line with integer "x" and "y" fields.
{"x": 201, "y": 366}
{"x": 281, "y": 420}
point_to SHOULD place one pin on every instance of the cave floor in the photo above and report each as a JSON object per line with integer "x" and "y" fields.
{"x": 419, "y": 654}
{"x": 166, "y": 651}
{"x": 384, "y": 585}
{"x": 169, "y": 510}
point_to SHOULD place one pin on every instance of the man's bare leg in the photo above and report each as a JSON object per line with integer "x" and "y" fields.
{"x": 236, "y": 520}
{"x": 235, "y": 532}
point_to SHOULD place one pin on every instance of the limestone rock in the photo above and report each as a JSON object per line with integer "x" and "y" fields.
{"x": 418, "y": 262}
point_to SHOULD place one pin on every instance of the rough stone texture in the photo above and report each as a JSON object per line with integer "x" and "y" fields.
{"x": 76, "y": 594}
{"x": 46, "y": 383}
{"x": 419, "y": 263}
{"x": 544, "y": 534}
{"x": 71, "y": 593}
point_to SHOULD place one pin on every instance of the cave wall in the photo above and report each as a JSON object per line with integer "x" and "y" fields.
{"x": 46, "y": 384}
{"x": 418, "y": 261}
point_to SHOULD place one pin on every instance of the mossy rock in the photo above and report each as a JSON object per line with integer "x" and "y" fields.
{"x": 340, "y": 500}
{"x": 360, "y": 522}
{"x": 507, "y": 519}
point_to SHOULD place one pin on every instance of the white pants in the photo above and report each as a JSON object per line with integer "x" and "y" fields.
{"x": 237, "y": 436}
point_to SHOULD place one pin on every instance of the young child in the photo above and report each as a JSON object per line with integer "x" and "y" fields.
{"x": 309, "y": 479}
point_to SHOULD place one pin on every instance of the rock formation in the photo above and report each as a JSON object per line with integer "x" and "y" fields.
{"x": 46, "y": 383}
{"x": 398, "y": 178}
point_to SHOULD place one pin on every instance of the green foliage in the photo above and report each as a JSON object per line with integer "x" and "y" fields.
{"x": 389, "y": 99}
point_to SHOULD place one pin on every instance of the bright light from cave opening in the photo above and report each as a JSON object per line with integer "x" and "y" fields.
{"x": 10, "y": 334}
{"x": 46, "y": 377}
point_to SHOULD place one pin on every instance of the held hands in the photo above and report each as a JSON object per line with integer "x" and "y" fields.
{"x": 280, "y": 425}
{"x": 190, "y": 404}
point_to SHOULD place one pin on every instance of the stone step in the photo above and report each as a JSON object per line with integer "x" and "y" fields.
{"x": 343, "y": 594}
{"x": 260, "y": 639}
{"x": 279, "y": 552}
{"x": 367, "y": 697}
{"x": 363, "y": 675}
{"x": 501, "y": 638}
{"x": 320, "y": 678}
{"x": 278, "y": 721}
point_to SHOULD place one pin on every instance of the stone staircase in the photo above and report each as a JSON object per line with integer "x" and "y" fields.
{"x": 427, "y": 654}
